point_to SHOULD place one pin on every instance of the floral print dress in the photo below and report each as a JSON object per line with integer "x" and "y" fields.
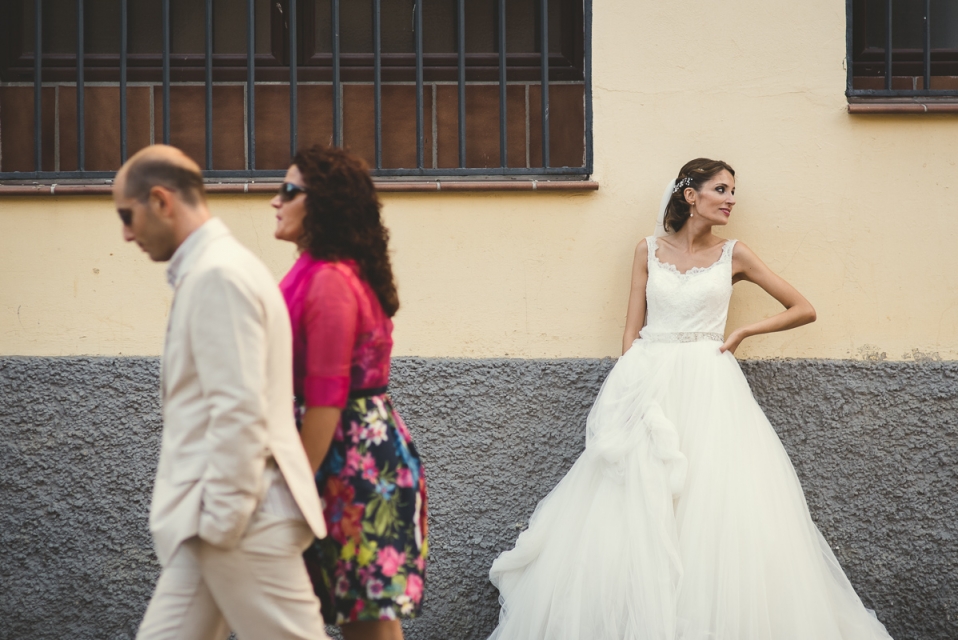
{"x": 372, "y": 565}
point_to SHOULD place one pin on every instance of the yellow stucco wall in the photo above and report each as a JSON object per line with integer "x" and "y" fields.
{"x": 859, "y": 212}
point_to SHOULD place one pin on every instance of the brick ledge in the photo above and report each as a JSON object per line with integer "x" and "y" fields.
{"x": 385, "y": 186}
{"x": 875, "y": 107}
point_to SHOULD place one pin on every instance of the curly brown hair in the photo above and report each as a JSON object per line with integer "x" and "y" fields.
{"x": 342, "y": 219}
{"x": 698, "y": 172}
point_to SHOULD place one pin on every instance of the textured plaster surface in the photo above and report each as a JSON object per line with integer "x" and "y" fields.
{"x": 875, "y": 445}
{"x": 824, "y": 197}
{"x": 79, "y": 441}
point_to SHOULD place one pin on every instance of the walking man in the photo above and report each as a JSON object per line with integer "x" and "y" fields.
{"x": 234, "y": 504}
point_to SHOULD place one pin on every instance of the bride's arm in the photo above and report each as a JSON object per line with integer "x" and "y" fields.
{"x": 635, "y": 317}
{"x": 798, "y": 311}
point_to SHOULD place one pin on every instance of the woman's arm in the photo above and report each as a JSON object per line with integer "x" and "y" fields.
{"x": 635, "y": 318}
{"x": 798, "y": 310}
{"x": 330, "y": 320}
{"x": 319, "y": 425}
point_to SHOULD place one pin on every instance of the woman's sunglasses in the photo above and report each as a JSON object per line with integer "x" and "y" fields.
{"x": 288, "y": 191}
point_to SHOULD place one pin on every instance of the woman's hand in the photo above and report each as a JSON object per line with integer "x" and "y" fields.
{"x": 733, "y": 341}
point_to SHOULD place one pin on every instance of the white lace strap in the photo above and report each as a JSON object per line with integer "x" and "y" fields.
{"x": 727, "y": 250}
{"x": 650, "y": 242}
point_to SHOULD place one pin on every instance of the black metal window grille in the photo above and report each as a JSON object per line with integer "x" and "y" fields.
{"x": 902, "y": 48}
{"x": 378, "y": 67}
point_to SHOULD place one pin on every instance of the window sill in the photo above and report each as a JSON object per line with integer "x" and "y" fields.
{"x": 909, "y": 107}
{"x": 383, "y": 186}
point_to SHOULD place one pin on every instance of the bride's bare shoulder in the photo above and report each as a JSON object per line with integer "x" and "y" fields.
{"x": 642, "y": 248}
{"x": 745, "y": 258}
{"x": 742, "y": 250}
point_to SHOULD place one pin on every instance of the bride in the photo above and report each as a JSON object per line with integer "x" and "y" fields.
{"x": 683, "y": 519}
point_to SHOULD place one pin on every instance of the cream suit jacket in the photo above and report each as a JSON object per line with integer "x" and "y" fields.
{"x": 227, "y": 393}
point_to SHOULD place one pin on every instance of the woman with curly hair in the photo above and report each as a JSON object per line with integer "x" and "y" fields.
{"x": 369, "y": 571}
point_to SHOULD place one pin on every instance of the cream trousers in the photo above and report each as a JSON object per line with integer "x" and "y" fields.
{"x": 260, "y": 589}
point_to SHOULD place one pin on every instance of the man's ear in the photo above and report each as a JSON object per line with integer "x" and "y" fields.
{"x": 161, "y": 202}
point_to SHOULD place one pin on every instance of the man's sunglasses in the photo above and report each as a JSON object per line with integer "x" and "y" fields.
{"x": 288, "y": 191}
{"x": 126, "y": 215}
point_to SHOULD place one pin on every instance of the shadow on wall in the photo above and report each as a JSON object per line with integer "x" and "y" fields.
{"x": 875, "y": 445}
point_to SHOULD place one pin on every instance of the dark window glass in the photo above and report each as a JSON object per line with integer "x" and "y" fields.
{"x": 908, "y": 44}
{"x": 439, "y": 26}
{"x": 908, "y": 29}
{"x": 145, "y": 35}
{"x": 188, "y": 32}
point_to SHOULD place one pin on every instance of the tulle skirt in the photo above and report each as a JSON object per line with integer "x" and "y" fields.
{"x": 682, "y": 520}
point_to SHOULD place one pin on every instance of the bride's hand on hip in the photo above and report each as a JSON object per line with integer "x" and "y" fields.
{"x": 732, "y": 342}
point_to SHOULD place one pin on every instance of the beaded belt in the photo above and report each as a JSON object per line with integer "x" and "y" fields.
{"x": 685, "y": 336}
{"x": 367, "y": 393}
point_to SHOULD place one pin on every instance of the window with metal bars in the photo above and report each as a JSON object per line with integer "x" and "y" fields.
{"x": 430, "y": 88}
{"x": 902, "y": 49}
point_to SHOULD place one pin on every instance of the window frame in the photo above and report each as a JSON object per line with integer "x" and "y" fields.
{"x": 572, "y": 64}
{"x": 892, "y": 64}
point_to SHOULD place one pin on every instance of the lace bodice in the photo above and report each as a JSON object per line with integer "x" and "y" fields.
{"x": 694, "y": 302}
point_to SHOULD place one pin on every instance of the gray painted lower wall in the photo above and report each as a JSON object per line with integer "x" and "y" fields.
{"x": 875, "y": 444}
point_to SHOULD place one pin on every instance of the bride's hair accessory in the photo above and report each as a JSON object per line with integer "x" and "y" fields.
{"x": 672, "y": 188}
{"x": 682, "y": 184}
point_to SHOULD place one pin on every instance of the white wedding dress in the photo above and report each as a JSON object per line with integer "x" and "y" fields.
{"x": 683, "y": 519}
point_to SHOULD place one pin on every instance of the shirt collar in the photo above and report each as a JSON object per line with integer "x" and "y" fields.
{"x": 185, "y": 255}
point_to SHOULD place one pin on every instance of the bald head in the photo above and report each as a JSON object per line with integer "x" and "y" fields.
{"x": 160, "y": 198}
{"x": 162, "y": 166}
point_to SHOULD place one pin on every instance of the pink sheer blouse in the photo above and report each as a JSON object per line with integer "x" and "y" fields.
{"x": 341, "y": 337}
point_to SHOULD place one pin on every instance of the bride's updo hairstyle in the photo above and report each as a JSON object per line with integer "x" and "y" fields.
{"x": 694, "y": 174}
